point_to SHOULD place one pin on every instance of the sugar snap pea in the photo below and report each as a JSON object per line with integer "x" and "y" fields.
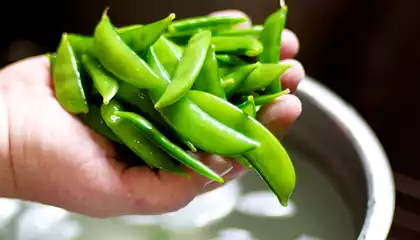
{"x": 243, "y": 161}
{"x": 171, "y": 52}
{"x": 187, "y": 70}
{"x": 205, "y": 21}
{"x": 109, "y": 46}
{"x": 192, "y": 123}
{"x": 68, "y": 84}
{"x": 237, "y": 77}
{"x": 173, "y": 150}
{"x": 248, "y": 107}
{"x": 253, "y": 31}
{"x": 135, "y": 140}
{"x": 135, "y": 97}
{"x": 270, "y": 38}
{"x": 94, "y": 120}
{"x": 230, "y": 60}
{"x": 264, "y": 99}
{"x": 209, "y": 80}
{"x": 247, "y": 46}
{"x": 262, "y": 76}
{"x": 106, "y": 84}
{"x": 140, "y": 39}
{"x": 270, "y": 159}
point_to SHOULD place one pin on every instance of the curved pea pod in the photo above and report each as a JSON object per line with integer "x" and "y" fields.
{"x": 170, "y": 52}
{"x": 238, "y": 75}
{"x": 230, "y": 60}
{"x": 194, "y": 125}
{"x": 106, "y": 84}
{"x": 135, "y": 140}
{"x": 117, "y": 57}
{"x": 170, "y": 148}
{"x": 248, "y": 107}
{"x": 254, "y": 30}
{"x": 247, "y": 46}
{"x": 187, "y": 70}
{"x": 94, "y": 120}
{"x": 67, "y": 79}
{"x": 141, "y": 38}
{"x": 194, "y": 23}
{"x": 140, "y": 99}
{"x": 262, "y": 76}
{"x": 209, "y": 80}
{"x": 270, "y": 159}
{"x": 264, "y": 99}
{"x": 271, "y": 38}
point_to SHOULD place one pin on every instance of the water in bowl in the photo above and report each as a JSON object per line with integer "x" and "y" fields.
{"x": 242, "y": 210}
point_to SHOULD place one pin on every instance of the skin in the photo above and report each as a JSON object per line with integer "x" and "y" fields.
{"x": 49, "y": 156}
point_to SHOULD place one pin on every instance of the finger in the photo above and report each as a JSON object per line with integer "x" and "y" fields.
{"x": 164, "y": 192}
{"x": 235, "y": 13}
{"x": 293, "y": 76}
{"x": 281, "y": 114}
{"x": 289, "y": 46}
{"x": 236, "y": 172}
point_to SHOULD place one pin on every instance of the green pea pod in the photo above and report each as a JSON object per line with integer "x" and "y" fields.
{"x": 247, "y": 46}
{"x": 188, "y": 68}
{"x": 188, "y": 24}
{"x": 223, "y": 72}
{"x": 67, "y": 79}
{"x": 194, "y": 125}
{"x": 81, "y": 44}
{"x": 94, "y": 120}
{"x": 270, "y": 159}
{"x": 135, "y": 140}
{"x": 140, "y": 39}
{"x": 243, "y": 161}
{"x": 251, "y": 31}
{"x": 209, "y": 80}
{"x": 264, "y": 99}
{"x": 237, "y": 77}
{"x": 172, "y": 52}
{"x": 124, "y": 29}
{"x": 271, "y": 38}
{"x": 173, "y": 150}
{"x": 248, "y": 107}
{"x": 230, "y": 60}
{"x": 106, "y": 84}
{"x": 134, "y": 97}
{"x": 119, "y": 59}
{"x": 262, "y": 76}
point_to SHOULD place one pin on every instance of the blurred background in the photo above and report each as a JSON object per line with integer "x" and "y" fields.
{"x": 366, "y": 51}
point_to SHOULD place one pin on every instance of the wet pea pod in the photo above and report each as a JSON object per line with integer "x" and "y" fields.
{"x": 270, "y": 38}
{"x": 190, "y": 122}
{"x": 247, "y": 46}
{"x": 187, "y": 70}
{"x": 209, "y": 80}
{"x": 173, "y": 150}
{"x": 140, "y": 99}
{"x": 106, "y": 84}
{"x": 261, "y": 77}
{"x": 195, "y": 23}
{"x": 138, "y": 143}
{"x": 94, "y": 120}
{"x": 67, "y": 79}
{"x": 270, "y": 159}
{"x": 235, "y": 79}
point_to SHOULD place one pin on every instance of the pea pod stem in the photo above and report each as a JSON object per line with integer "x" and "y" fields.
{"x": 173, "y": 150}
{"x": 270, "y": 159}
{"x": 248, "y": 107}
{"x": 264, "y": 99}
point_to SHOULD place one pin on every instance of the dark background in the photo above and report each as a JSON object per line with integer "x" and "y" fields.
{"x": 367, "y": 51}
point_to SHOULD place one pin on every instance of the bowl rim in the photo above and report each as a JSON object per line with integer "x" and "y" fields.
{"x": 375, "y": 163}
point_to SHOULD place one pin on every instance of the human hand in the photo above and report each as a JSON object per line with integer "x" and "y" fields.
{"x": 47, "y": 155}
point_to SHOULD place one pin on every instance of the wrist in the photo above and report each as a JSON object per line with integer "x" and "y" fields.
{"x": 7, "y": 188}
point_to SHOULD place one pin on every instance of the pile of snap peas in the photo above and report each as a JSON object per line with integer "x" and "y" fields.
{"x": 172, "y": 86}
